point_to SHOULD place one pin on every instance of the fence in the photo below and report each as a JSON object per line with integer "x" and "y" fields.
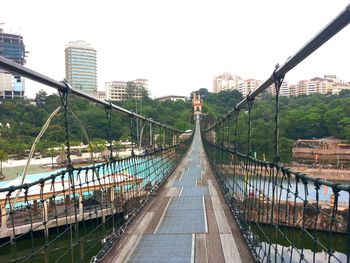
{"x": 285, "y": 216}
{"x": 79, "y": 212}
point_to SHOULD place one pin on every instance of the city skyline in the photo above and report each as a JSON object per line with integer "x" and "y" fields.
{"x": 180, "y": 46}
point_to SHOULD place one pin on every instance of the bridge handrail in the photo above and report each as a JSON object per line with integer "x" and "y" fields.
{"x": 336, "y": 25}
{"x": 65, "y": 87}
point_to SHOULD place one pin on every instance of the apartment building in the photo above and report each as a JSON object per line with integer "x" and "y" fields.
{"x": 124, "y": 90}
{"x": 226, "y": 81}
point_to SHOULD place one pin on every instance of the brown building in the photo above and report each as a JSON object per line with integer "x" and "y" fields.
{"x": 322, "y": 151}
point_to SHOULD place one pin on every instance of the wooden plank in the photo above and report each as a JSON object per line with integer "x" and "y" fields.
{"x": 221, "y": 220}
{"x": 158, "y": 208}
{"x": 201, "y": 254}
{"x": 212, "y": 190}
{"x": 128, "y": 249}
{"x": 214, "y": 248}
{"x": 143, "y": 224}
{"x": 229, "y": 248}
{"x": 162, "y": 216}
{"x": 236, "y": 233}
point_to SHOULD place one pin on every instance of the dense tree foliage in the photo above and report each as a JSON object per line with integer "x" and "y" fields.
{"x": 303, "y": 117}
{"x": 314, "y": 116}
{"x": 26, "y": 121}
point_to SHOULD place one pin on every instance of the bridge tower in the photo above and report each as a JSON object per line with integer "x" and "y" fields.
{"x": 197, "y": 103}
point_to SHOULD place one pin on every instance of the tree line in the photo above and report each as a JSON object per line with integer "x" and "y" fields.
{"x": 27, "y": 118}
{"x": 302, "y": 117}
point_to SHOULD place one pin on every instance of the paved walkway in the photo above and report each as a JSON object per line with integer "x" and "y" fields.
{"x": 188, "y": 221}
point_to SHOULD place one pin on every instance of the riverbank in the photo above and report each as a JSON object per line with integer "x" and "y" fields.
{"x": 335, "y": 175}
{"x": 14, "y": 168}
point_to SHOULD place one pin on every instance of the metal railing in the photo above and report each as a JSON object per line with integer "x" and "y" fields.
{"x": 285, "y": 216}
{"x": 79, "y": 212}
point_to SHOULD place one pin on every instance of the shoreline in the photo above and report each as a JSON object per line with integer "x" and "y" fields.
{"x": 14, "y": 168}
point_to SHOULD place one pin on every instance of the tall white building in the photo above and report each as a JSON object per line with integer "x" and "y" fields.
{"x": 247, "y": 86}
{"x": 123, "y": 90}
{"x": 225, "y": 82}
{"x": 81, "y": 67}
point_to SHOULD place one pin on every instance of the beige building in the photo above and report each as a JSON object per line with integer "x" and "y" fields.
{"x": 330, "y": 84}
{"x": 172, "y": 98}
{"x": 123, "y": 90}
{"x": 338, "y": 87}
{"x": 225, "y": 82}
{"x": 293, "y": 90}
{"x": 321, "y": 85}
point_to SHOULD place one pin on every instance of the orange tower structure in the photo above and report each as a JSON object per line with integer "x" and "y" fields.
{"x": 197, "y": 103}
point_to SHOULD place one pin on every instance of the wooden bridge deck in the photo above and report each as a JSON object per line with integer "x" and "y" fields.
{"x": 188, "y": 222}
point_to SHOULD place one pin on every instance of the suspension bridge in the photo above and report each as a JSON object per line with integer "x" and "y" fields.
{"x": 194, "y": 199}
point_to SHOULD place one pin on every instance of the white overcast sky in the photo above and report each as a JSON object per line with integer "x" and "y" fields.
{"x": 179, "y": 46}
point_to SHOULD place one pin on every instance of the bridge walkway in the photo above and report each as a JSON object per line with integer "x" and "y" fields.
{"x": 188, "y": 222}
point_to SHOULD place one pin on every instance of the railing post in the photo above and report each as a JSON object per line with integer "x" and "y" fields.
{"x": 150, "y": 135}
{"x": 109, "y": 116}
{"x": 64, "y": 100}
{"x": 236, "y": 130}
{"x": 81, "y": 206}
{"x": 250, "y": 105}
{"x": 45, "y": 218}
{"x": 3, "y": 216}
{"x": 278, "y": 83}
{"x": 132, "y": 134}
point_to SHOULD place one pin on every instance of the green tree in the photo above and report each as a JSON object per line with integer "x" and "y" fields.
{"x": 3, "y": 158}
{"x": 40, "y": 98}
{"x": 130, "y": 90}
{"x": 144, "y": 93}
{"x": 51, "y": 152}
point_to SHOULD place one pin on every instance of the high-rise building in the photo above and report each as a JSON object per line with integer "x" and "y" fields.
{"x": 81, "y": 67}
{"x": 123, "y": 90}
{"x": 247, "y": 86}
{"x": 225, "y": 82}
{"x": 11, "y": 47}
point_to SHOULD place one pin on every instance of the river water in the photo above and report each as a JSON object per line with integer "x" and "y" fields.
{"x": 277, "y": 245}
{"x": 307, "y": 192}
{"x": 87, "y": 237}
{"x": 289, "y": 243}
{"x": 92, "y": 231}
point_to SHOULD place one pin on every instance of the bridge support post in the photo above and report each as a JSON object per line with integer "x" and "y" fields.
{"x": 103, "y": 215}
{"x": 112, "y": 199}
{"x": 45, "y": 219}
{"x": 3, "y": 217}
{"x": 81, "y": 206}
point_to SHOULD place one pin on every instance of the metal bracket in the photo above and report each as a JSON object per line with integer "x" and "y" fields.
{"x": 278, "y": 80}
